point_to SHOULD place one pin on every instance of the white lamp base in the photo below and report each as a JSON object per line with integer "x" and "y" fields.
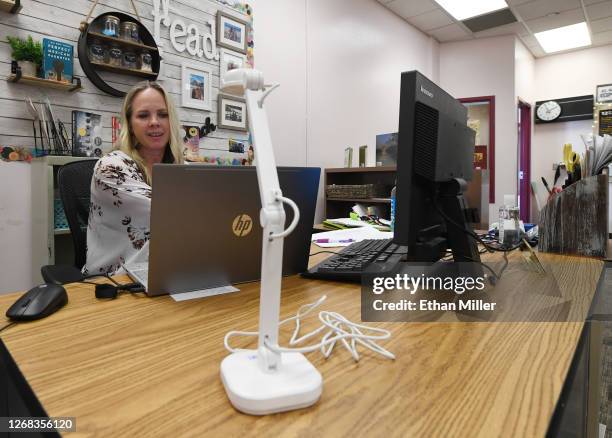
{"x": 296, "y": 384}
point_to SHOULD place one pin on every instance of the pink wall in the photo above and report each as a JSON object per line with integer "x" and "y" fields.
{"x": 481, "y": 68}
{"x": 339, "y": 65}
{"x": 356, "y": 52}
{"x": 280, "y": 53}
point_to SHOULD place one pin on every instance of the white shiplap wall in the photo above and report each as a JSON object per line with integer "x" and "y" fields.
{"x": 60, "y": 20}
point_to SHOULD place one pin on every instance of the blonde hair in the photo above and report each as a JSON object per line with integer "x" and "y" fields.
{"x": 127, "y": 141}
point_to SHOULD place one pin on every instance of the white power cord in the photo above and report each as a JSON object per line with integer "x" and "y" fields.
{"x": 339, "y": 329}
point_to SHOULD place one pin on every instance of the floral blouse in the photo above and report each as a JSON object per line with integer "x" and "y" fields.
{"x": 119, "y": 213}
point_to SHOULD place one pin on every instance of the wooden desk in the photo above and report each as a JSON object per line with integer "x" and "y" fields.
{"x": 140, "y": 366}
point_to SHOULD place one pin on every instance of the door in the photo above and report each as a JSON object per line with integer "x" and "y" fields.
{"x": 524, "y": 159}
{"x": 481, "y": 190}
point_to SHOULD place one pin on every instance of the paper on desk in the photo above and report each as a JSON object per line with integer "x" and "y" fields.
{"x": 357, "y": 234}
{"x": 348, "y": 222}
{"x": 203, "y": 293}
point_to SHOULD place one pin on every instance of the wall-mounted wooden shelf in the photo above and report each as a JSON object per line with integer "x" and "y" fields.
{"x": 362, "y": 200}
{"x": 10, "y": 6}
{"x": 120, "y": 41}
{"x": 340, "y": 207}
{"x": 16, "y": 76}
{"x": 360, "y": 169}
{"x": 124, "y": 70}
{"x": 91, "y": 32}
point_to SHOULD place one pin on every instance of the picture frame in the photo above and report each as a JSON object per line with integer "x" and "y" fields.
{"x": 230, "y": 60}
{"x": 386, "y": 149}
{"x": 232, "y": 113}
{"x": 348, "y": 157}
{"x": 196, "y": 86}
{"x": 363, "y": 152}
{"x": 231, "y": 32}
{"x": 604, "y": 93}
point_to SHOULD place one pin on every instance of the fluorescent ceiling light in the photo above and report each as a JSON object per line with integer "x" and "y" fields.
{"x": 563, "y": 38}
{"x": 462, "y": 9}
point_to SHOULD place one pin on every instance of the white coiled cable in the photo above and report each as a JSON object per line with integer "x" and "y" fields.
{"x": 338, "y": 328}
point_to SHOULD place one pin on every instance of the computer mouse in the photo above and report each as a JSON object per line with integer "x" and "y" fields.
{"x": 38, "y": 302}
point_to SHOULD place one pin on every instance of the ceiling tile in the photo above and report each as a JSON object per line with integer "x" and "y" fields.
{"x": 518, "y": 2}
{"x": 601, "y": 25}
{"x": 563, "y": 19}
{"x": 602, "y": 38}
{"x": 599, "y": 10}
{"x": 410, "y": 8}
{"x": 431, "y": 20}
{"x": 507, "y": 29}
{"x": 454, "y": 32}
{"x": 542, "y": 8}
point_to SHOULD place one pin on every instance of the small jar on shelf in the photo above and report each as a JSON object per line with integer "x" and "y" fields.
{"x": 146, "y": 61}
{"x": 115, "y": 56}
{"x": 129, "y": 31}
{"x": 130, "y": 60}
{"x": 97, "y": 51}
{"x": 110, "y": 26}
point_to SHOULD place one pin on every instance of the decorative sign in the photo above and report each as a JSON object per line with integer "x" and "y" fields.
{"x": 184, "y": 36}
{"x": 605, "y": 122}
{"x": 604, "y": 93}
{"x": 480, "y": 157}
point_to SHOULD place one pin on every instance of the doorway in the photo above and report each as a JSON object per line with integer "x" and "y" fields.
{"x": 481, "y": 190}
{"x": 524, "y": 160}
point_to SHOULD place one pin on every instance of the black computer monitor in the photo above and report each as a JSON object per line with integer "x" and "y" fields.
{"x": 434, "y": 160}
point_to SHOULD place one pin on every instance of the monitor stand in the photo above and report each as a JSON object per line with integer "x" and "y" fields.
{"x": 426, "y": 254}
{"x": 464, "y": 248}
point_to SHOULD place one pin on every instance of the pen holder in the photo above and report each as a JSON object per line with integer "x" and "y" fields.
{"x": 575, "y": 221}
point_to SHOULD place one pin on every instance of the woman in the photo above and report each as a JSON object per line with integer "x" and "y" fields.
{"x": 120, "y": 205}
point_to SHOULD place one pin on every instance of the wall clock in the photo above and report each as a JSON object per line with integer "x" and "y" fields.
{"x": 548, "y": 111}
{"x": 564, "y": 110}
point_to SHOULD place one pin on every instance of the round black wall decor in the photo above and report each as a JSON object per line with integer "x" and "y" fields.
{"x": 93, "y": 32}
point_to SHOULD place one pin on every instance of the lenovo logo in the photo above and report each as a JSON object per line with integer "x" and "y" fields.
{"x": 242, "y": 225}
{"x": 426, "y": 92}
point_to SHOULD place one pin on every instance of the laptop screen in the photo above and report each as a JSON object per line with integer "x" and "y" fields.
{"x": 205, "y": 228}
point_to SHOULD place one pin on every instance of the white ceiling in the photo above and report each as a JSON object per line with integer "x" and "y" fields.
{"x": 532, "y": 16}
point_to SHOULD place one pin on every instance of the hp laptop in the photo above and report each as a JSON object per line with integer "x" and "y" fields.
{"x": 205, "y": 229}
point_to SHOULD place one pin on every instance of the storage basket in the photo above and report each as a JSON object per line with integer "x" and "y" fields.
{"x": 358, "y": 191}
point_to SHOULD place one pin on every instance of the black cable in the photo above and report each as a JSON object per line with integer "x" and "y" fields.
{"x": 505, "y": 264}
{"x": 322, "y": 252}
{"x": 473, "y": 234}
{"x": 7, "y": 325}
{"x": 485, "y": 245}
{"x": 100, "y": 275}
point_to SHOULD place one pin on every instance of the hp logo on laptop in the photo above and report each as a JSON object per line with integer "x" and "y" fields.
{"x": 242, "y": 225}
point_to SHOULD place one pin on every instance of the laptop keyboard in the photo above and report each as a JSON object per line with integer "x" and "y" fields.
{"x": 375, "y": 256}
{"x": 139, "y": 272}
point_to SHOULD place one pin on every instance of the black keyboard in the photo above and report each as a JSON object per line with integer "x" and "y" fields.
{"x": 373, "y": 256}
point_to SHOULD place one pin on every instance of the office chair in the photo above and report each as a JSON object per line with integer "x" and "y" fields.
{"x": 74, "y": 181}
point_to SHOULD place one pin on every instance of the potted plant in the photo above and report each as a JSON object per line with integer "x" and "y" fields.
{"x": 27, "y": 53}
